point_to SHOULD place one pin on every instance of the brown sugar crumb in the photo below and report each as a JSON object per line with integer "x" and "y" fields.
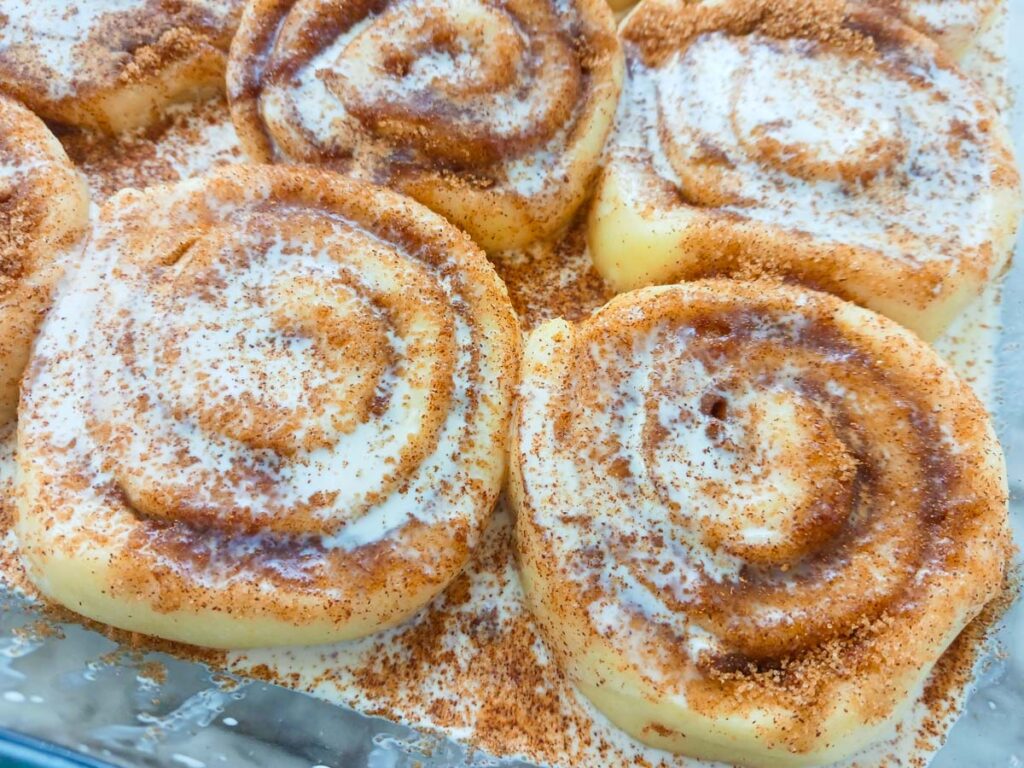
{"x": 152, "y": 672}
{"x": 509, "y": 700}
{"x": 553, "y": 279}
{"x": 19, "y": 223}
{"x": 37, "y": 630}
{"x": 666, "y": 26}
{"x": 955, "y": 670}
{"x": 174, "y": 45}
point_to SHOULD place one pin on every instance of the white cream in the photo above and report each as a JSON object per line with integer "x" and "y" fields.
{"x": 970, "y": 344}
{"x": 946, "y": 14}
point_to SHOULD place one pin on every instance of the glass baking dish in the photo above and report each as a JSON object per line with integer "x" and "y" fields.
{"x": 69, "y": 696}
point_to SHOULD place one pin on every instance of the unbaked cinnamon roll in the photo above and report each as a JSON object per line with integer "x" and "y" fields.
{"x": 825, "y": 144}
{"x": 751, "y": 517}
{"x": 492, "y": 114}
{"x": 270, "y": 410}
{"x": 44, "y": 208}
{"x": 113, "y": 64}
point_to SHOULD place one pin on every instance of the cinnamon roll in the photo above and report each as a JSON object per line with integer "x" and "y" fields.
{"x": 620, "y": 5}
{"x": 271, "y": 410}
{"x": 44, "y": 207}
{"x": 492, "y": 114}
{"x": 113, "y": 65}
{"x": 826, "y": 144}
{"x": 751, "y": 517}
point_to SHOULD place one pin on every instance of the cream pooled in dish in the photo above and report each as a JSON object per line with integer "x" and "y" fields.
{"x": 492, "y": 114}
{"x": 269, "y": 408}
{"x": 826, "y": 144}
{"x": 113, "y": 65}
{"x": 751, "y": 518}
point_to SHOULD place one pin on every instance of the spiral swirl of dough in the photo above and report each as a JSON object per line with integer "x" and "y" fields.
{"x": 44, "y": 208}
{"x": 492, "y": 114}
{"x": 823, "y": 143}
{"x": 272, "y": 410}
{"x": 751, "y": 517}
{"x": 113, "y": 65}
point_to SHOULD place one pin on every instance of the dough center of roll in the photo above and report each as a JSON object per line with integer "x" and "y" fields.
{"x": 293, "y": 379}
{"x": 462, "y": 48}
{"x": 268, "y": 378}
{"x": 762, "y": 476}
{"x": 462, "y": 82}
{"x": 780, "y": 110}
{"x": 813, "y": 116}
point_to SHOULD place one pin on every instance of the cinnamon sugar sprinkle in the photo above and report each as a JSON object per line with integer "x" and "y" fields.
{"x": 662, "y": 30}
{"x": 471, "y": 665}
{"x": 553, "y": 279}
{"x": 192, "y": 139}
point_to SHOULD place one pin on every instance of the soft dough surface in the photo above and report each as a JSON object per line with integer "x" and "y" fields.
{"x": 751, "y": 517}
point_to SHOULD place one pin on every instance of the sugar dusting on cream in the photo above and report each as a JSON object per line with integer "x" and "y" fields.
{"x": 55, "y": 29}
